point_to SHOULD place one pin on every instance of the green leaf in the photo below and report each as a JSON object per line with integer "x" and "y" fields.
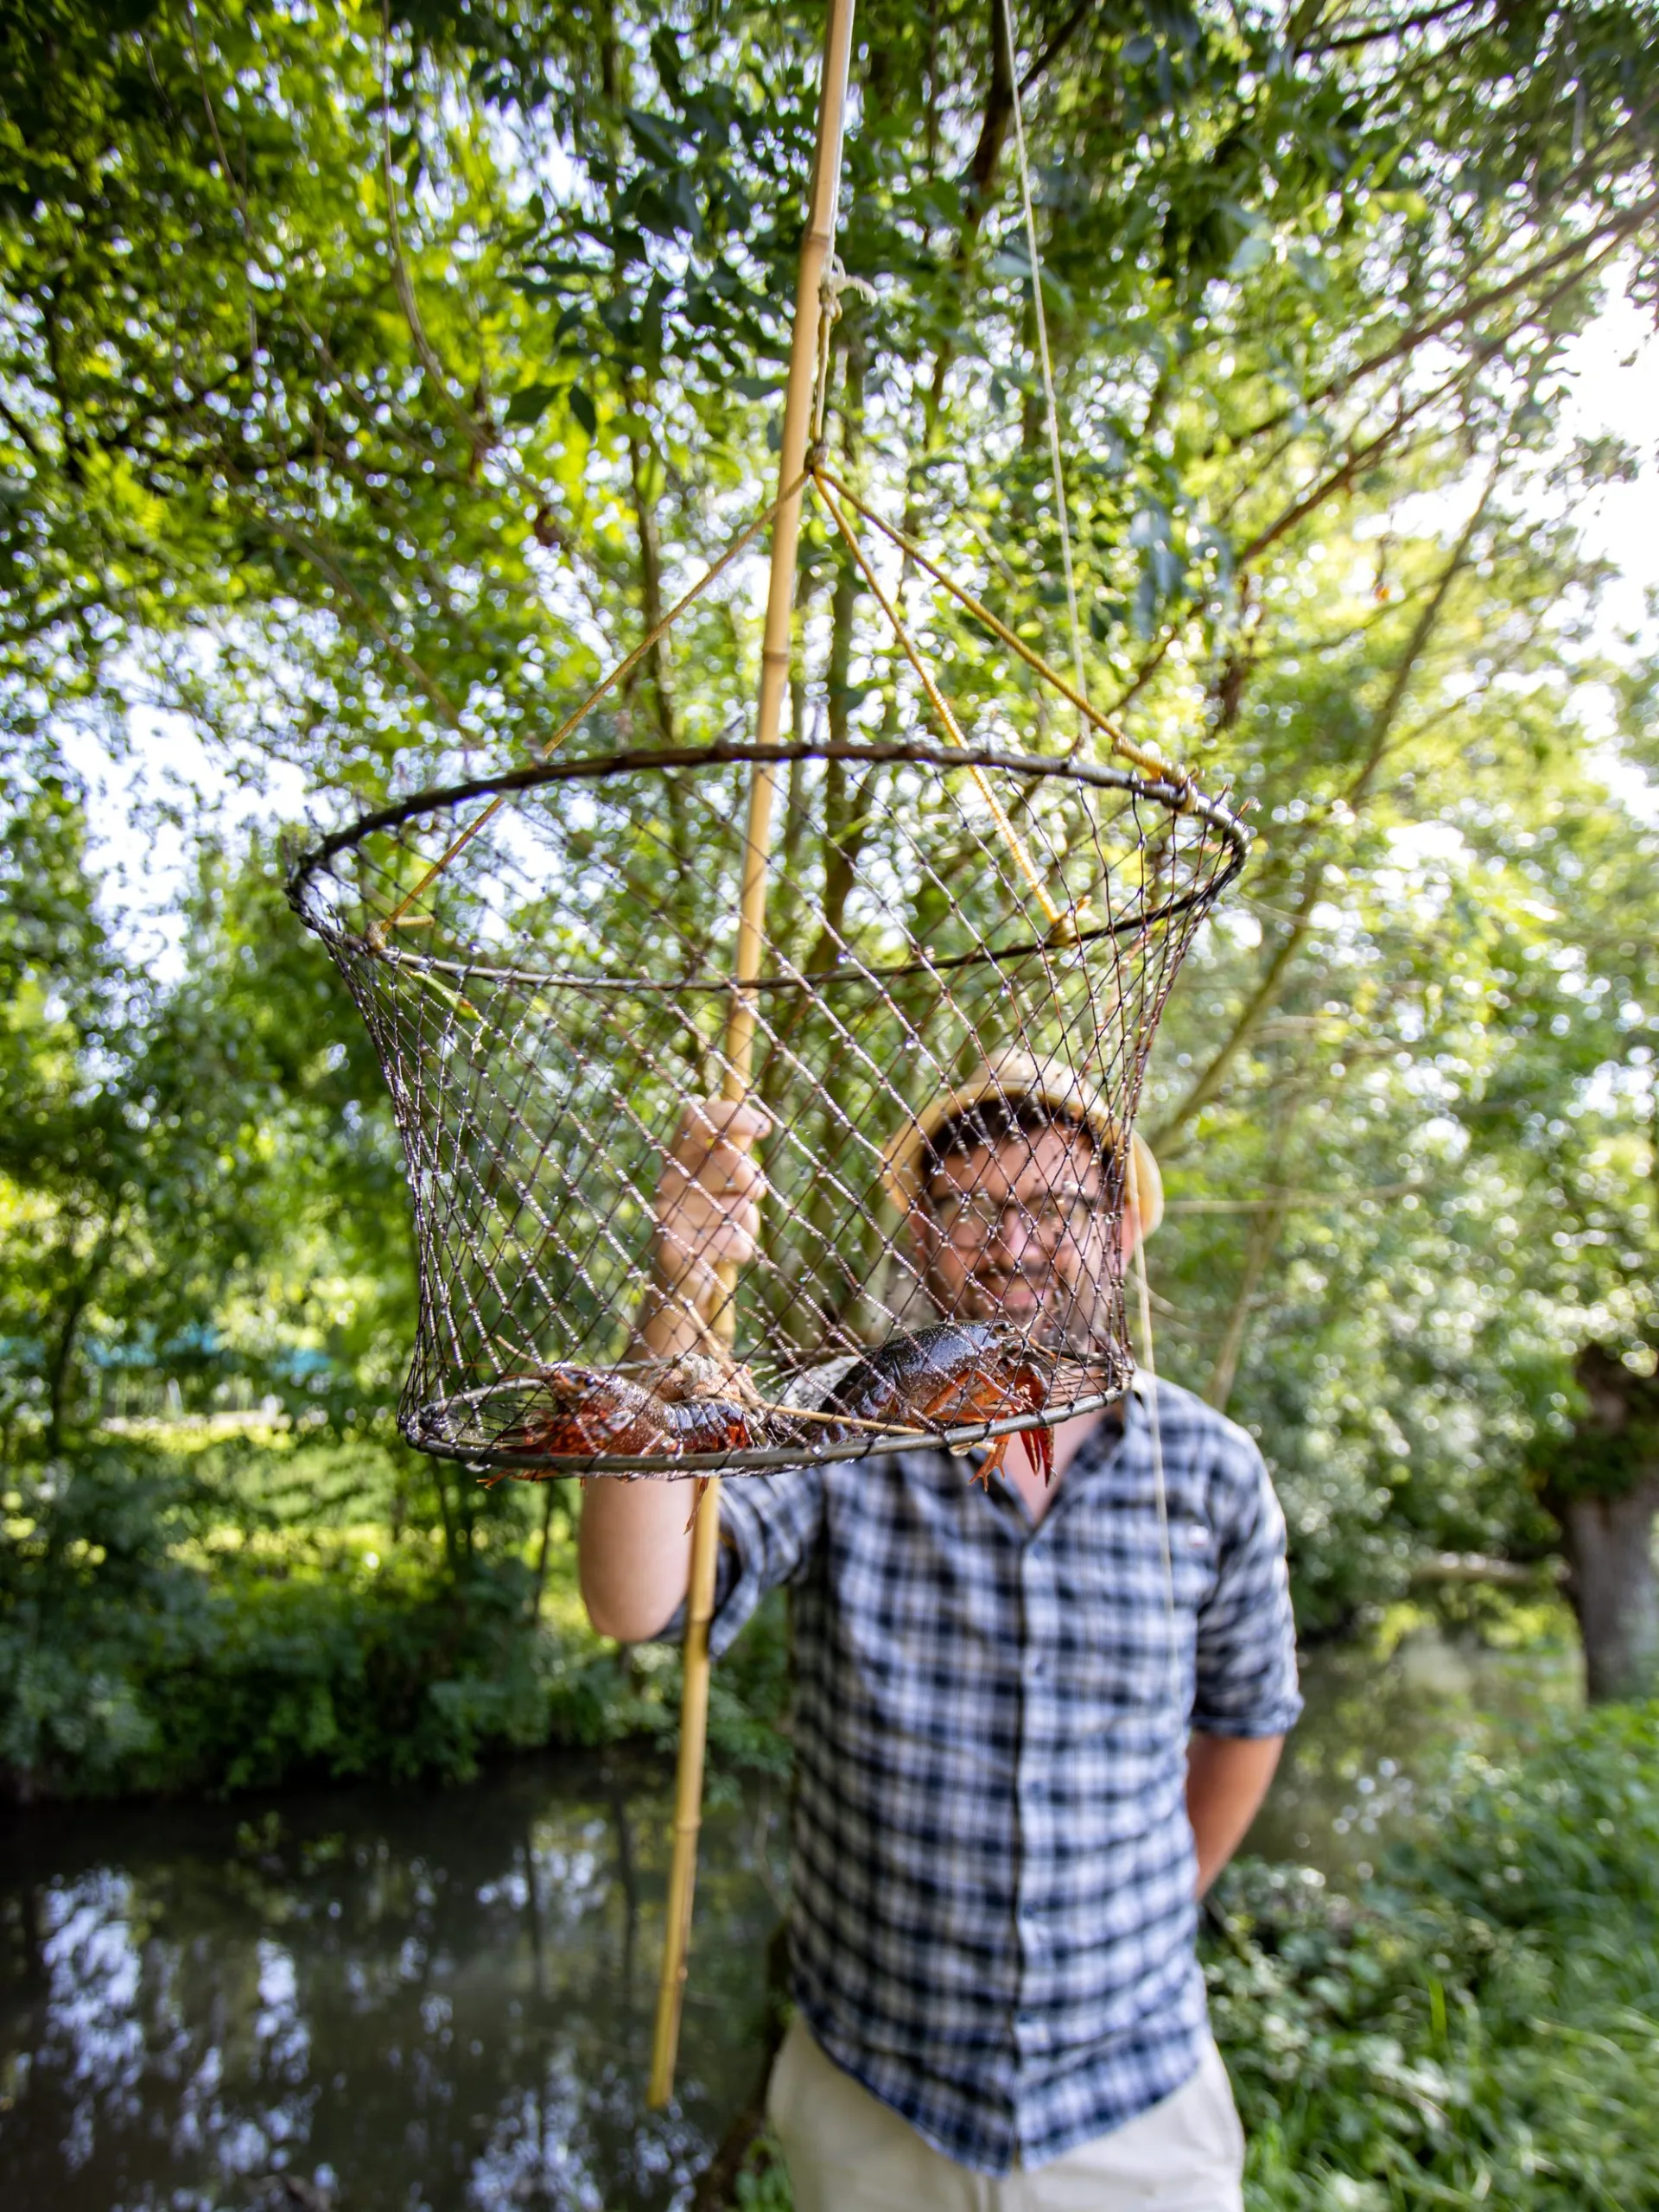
{"x": 586, "y": 413}
{"x": 655, "y": 136}
{"x": 530, "y": 402}
{"x": 1251, "y": 253}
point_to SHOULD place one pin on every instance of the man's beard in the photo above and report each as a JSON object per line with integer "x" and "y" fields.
{"x": 1056, "y": 1315}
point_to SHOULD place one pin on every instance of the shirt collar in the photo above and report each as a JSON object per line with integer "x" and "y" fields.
{"x": 1097, "y": 1448}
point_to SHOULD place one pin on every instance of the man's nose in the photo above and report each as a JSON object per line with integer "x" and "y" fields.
{"x": 1015, "y": 1232}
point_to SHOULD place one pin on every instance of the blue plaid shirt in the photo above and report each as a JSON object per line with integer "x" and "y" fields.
{"x": 993, "y": 1918}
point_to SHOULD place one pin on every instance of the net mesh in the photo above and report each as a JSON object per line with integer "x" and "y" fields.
{"x": 547, "y": 1006}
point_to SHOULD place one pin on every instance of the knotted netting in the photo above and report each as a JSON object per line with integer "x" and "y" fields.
{"x": 547, "y": 1004}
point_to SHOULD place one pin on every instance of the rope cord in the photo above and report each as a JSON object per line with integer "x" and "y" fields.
{"x": 835, "y": 281}
{"x": 829, "y": 290}
{"x": 1150, "y": 764}
{"x": 624, "y": 668}
{"x": 1053, "y": 915}
{"x": 1148, "y": 1360}
{"x": 1046, "y": 364}
{"x": 829, "y": 316}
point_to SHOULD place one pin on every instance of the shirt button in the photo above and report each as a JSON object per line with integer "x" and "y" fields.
{"x": 1035, "y": 1665}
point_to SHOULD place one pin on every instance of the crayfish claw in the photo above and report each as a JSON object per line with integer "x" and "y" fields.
{"x": 991, "y": 1464}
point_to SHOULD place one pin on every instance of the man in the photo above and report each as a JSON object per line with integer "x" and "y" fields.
{"x": 1033, "y": 1722}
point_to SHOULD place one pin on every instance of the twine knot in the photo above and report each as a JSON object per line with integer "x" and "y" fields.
{"x": 834, "y": 282}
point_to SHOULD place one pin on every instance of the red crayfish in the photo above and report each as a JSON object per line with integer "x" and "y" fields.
{"x": 952, "y": 1374}
{"x": 595, "y": 1412}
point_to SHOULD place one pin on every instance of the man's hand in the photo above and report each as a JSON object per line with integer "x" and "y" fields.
{"x": 633, "y": 1545}
{"x": 708, "y": 1208}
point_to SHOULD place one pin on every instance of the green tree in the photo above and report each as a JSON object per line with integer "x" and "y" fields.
{"x": 365, "y": 383}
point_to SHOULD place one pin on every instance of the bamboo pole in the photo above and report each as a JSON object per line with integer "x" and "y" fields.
{"x": 816, "y": 247}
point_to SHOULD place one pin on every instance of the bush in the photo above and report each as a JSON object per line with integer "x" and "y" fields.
{"x": 133, "y": 1658}
{"x": 1482, "y": 2023}
{"x": 249, "y": 1678}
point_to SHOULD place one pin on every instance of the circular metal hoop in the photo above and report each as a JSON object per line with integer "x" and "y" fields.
{"x": 450, "y": 797}
{"x": 545, "y": 962}
{"x": 429, "y": 1425}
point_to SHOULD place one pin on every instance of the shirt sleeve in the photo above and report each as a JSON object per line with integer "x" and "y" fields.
{"x": 769, "y": 1527}
{"x": 1246, "y": 1671}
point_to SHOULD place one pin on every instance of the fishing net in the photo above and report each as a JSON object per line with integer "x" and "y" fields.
{"x": 545, "y": 960}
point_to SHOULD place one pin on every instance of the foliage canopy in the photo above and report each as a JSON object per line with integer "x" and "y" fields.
{"x": 366, "y": 381}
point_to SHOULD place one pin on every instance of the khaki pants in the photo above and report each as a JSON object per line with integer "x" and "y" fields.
{"x": 847, "y": 2151}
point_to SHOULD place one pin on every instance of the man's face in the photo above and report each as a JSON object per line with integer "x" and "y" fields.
{"x": 1018, "y": 1230}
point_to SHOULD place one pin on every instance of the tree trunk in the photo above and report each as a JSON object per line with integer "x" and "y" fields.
{"x": 1604, "y": 1491}
{"x": 60, "y": 1365}
{"x": 541, "y": 1555}
{"x": 1613, "y": 1589}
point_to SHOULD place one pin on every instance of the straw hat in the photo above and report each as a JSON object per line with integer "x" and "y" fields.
{"x": 1010, "y": 1079}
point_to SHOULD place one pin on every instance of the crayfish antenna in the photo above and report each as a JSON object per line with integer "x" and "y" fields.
{"x": 697, "y": 1490}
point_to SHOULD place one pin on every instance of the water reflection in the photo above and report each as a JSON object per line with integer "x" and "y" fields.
{"x": 445, "y": 2001}
{"x": 1379, "y": 1736}
{"x": 405, "y": 2002}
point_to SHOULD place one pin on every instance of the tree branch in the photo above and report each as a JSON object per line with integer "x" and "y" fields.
{"x": 298, "y": 543}
{"x": 1364, "y": 36}
{"x": 481, "y": 436}
{"x": 1149, "y": 665}
{"x": 1056, "y": 46}
{"x": 981, "y": 176}
{"x": 993, "y": 133}
{"x": 1209, "y": 1083}
{"x": 1259, "y": 1246}
{"x": 1294, "y": 1201}
{"x": 1605, "y": 241}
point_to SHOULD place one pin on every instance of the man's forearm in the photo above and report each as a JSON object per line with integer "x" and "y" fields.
{"x": 1227, "y": 1778}
{"x": 633, "y": 1550}
{"x": 634, "y": 1547}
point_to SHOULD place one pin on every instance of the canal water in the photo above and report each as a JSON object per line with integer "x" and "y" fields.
{"x": 442, "y": 2003}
